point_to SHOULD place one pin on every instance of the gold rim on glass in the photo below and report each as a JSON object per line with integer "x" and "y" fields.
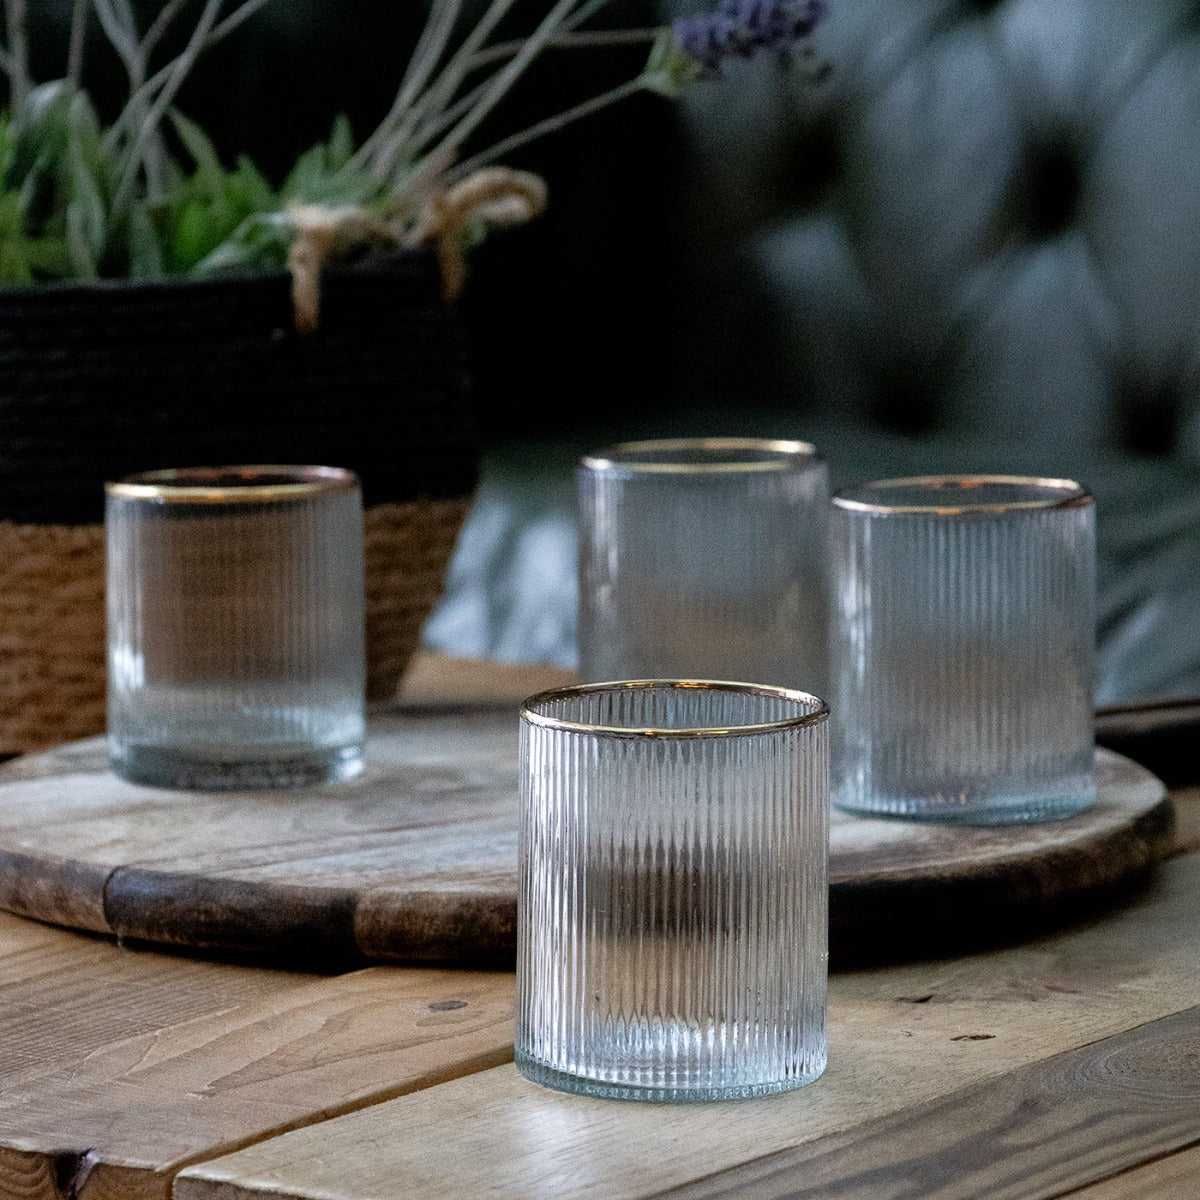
{"x": 819, "y": 709}
{"x": 241, "y": 484}
{"x": 1061, "y": 493}
{"x": 732, "y": 455}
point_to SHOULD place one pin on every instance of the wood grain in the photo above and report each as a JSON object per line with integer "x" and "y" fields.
{"x": 118, "y": 1066}
{"x": 1187, "y": 822}
{"x": 1032, "y": 1134}
{"x": 416, "y": 859}
{"x": 1175, "y": 1177}
{"x": 439, "y": 681}
{"x": 899, "y": 1037}
{"x": 26, "y": 1176}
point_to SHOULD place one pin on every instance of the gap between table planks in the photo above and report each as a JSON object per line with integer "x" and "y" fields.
{"x": 899, "y": 1037}
{"x": 118, "y": 1066}
{"x": 1173, "y": 1177}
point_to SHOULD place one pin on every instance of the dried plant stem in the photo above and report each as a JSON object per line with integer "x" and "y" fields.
{"x": 429, "y": 117}
{"x": 550, "y": 125}
{"x": 570, "y": 41}
{"x": 18, "y": 56}
{"x": 435, "y": 126}
{"x": 235, "y": 18}
{"x": 119, "y": 23}
{"x": 398, "y": 116}
{"x": 127, "y": 117}
{"x": 586, "y": 11}
{"x": 122, "y": 35}
{"x": 447, "y": 83}
{"x": 435, "y": 37}
{"x": 79, "y": 15}
{"x": 125, "y": 8}
{"x": 498, "y": 86}
{"x": 159, "y": 27}
{"x": 148, "y": 127}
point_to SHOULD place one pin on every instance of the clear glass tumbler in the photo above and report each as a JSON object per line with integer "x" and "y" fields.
{"x": 704, "y": 558}
{"x": 235, "y": 626}
{"x": 963, "y": 648}
{"x": 672, "y": 910}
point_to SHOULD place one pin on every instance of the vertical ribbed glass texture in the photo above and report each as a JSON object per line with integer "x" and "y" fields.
{"x": 672, "y": 914}
{"x": 235, "y": 627}
{"x": 704, "y": 559}
{"x": 963, "y": 645}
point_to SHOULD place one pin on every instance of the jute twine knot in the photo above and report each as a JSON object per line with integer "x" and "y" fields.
{"x": 491, "y": 198}
{"x": 450, "y": 221}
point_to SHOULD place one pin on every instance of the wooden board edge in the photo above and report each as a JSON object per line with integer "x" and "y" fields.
{"x": 1123, "y": 781}
{"x": 57, "y": 891}
{"x": 312, "y": 928}
{"x": 895, "y": 919}
{"x": 394, "y": 926}
{"x": 31, "y": 1176}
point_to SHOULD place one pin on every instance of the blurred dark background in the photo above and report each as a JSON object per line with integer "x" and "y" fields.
{"x": 983, "y": 222}
{"x": 974, "y": 245}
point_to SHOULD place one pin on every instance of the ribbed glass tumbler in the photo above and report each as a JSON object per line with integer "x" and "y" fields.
{"x": 704, "y": 558}
{"x": 235, "y": 626}
{"x": 963, "y": 648}
{"x": 672, "y": 907}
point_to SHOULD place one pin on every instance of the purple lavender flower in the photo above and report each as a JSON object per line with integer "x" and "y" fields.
{"x": 742, "y": 28}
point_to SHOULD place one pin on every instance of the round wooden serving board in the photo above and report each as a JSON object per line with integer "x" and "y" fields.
{"x": 416, "y": 858}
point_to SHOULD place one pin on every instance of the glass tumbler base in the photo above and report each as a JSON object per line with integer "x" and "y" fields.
{"x": 159, "y": 766}
{"x": 582, "y": 1085}
{"x": 1013, "y": 810}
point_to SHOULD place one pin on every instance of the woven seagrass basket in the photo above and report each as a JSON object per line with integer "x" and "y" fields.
{"x": 102, "y": 380}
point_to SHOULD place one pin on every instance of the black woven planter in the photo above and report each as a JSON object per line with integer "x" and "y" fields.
{"x": 101, "y": 380}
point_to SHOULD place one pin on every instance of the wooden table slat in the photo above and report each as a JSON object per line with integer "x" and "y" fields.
{"x": 1174, "y": 1177}
{"x": 119, "y": 1066}
{"x": 129, "y": 1074}
{"x": 1032, "y": 1134}
{"x": 899, "y": 1037}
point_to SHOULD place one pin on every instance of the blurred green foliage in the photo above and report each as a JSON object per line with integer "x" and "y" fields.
{"x": 58, "y": 184}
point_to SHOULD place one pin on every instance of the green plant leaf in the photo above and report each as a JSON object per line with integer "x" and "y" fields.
{"x": 38, "y": 164}
{"x": 48, "y": 258}
{"x": 341, "y": 143}
{"x": 83, "y": 262}
{"x": 42, "y": 131}
{"x": 8, "y": 142}
{"x": 86, "y": 142}
{"x": 198, "y": 144}
{"x": 87, "y": 201}
{"x": 145, "y": 254}
{"x": 44, "y": 100}
{"x": 307, "y": 176}
{"x": 14, "y": 267}
{"x": 251, "y": 186}
{"x": 669, "y": 70}
{"x": 260, "y": 243}
{"x": 84, "y": 126}
{"x": 14, "y": 259}
{"x": 193, "y": 234}
{"x": 229, "y": 257}
{"x": 312, "y": 182}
